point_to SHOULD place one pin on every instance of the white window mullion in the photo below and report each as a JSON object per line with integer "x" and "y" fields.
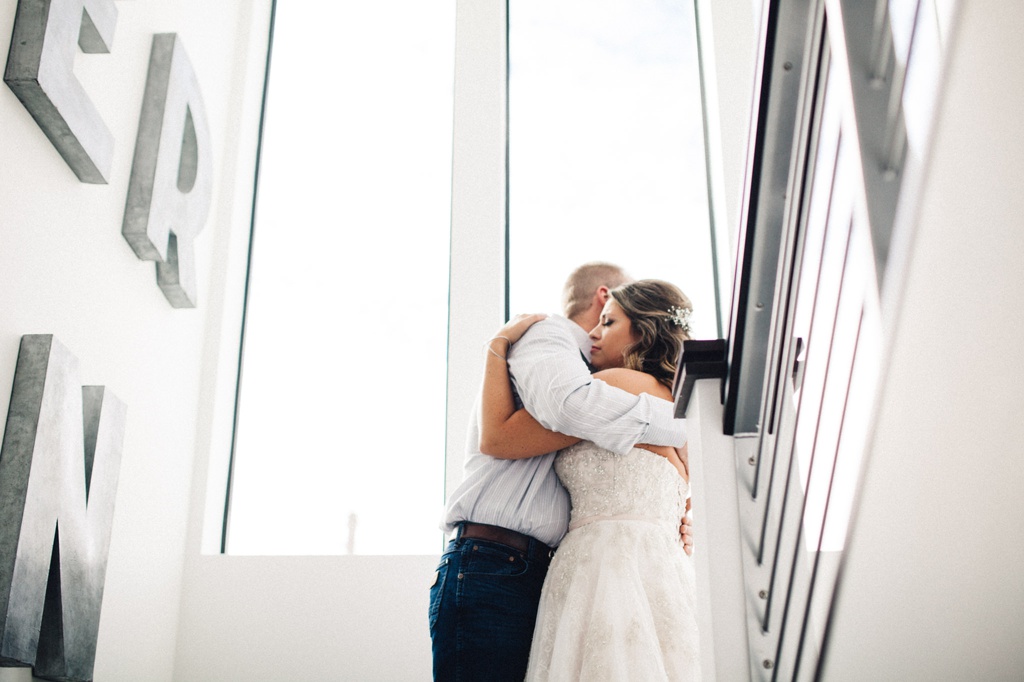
{"x": 478, "y": 210}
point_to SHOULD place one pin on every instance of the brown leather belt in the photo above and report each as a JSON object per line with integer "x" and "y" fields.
{"x": 482, "y": 531}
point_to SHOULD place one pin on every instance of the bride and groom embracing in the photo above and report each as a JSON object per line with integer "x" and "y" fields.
{"x": 617, "y": 600}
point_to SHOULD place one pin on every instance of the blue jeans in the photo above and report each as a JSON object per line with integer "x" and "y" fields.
{"x": 483, "y": 606}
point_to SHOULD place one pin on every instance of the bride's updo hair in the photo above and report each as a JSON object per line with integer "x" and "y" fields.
{"x": 660, "y": 317}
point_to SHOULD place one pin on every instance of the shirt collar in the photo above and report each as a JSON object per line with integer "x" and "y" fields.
{"x": 582, "y": 339}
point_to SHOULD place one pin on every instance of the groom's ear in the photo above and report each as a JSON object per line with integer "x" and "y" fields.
{"x": 602, "y": 295}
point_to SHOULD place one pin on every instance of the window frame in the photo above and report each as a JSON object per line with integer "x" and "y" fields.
{"x": 478, "y": 254}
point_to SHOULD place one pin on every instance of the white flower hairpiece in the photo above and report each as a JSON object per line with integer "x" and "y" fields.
{"x": 680, "y": 317}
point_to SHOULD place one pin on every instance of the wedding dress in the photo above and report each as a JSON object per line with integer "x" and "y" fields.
{"x": 619, "y": 599}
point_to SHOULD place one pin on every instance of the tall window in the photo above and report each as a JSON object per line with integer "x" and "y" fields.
{"x": 339, "y": 445}
{"x": 606, "y": 158}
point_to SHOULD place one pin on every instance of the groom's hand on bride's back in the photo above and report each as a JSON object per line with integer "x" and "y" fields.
{"x": 685, "y": 532}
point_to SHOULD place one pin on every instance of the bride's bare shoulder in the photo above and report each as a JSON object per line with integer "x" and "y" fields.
{"x": 634, "y": 382}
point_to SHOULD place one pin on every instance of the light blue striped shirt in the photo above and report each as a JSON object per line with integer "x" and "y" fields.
{"x": 555, "y": 385}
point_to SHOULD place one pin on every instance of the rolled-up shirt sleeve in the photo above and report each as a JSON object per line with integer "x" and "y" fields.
{"x": 556, "y": 387}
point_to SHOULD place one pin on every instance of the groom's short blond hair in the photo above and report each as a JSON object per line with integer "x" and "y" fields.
{"x": 583, "y": 282}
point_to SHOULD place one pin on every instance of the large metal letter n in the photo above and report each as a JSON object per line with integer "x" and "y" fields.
{"x": 59, "y": 465}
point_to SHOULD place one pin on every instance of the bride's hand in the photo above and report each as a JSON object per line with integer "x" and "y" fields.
{"x": 514, "y": 329}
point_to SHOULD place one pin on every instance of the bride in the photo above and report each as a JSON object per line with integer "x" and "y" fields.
{"x": 619, "y": 598}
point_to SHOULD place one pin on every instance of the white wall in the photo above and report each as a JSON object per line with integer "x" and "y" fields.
{"x": 932, "y": 583}
{"x": 66, "y": 270}
{"x": 272, "y": 619}
{"x": 717, "y": 556}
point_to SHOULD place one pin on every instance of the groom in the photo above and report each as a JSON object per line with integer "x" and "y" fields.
{"x": 510, "y": 514}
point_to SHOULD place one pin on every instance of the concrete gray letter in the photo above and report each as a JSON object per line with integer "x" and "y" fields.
{"x": 171, "y": 182}
{"x": 59, "y": 465}
{"x": 40, "y": 72}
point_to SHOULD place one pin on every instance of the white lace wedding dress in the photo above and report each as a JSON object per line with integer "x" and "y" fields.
{"x": 619, "y": 599}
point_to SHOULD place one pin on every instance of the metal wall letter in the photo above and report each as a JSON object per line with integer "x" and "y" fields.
{"x": 59, "y": 464}
{"x": 39, "y": 71}
{"x": 171, "y": 182}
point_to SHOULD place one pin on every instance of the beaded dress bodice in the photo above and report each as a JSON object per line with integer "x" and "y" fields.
{"x": 638, "y": 484}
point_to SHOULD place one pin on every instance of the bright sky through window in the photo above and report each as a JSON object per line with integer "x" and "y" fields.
{"x": 350, "y": 265}
{"x": 606, "y": 148}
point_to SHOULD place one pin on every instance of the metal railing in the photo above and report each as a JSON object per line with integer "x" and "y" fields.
{"x": 833, "y": 128}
